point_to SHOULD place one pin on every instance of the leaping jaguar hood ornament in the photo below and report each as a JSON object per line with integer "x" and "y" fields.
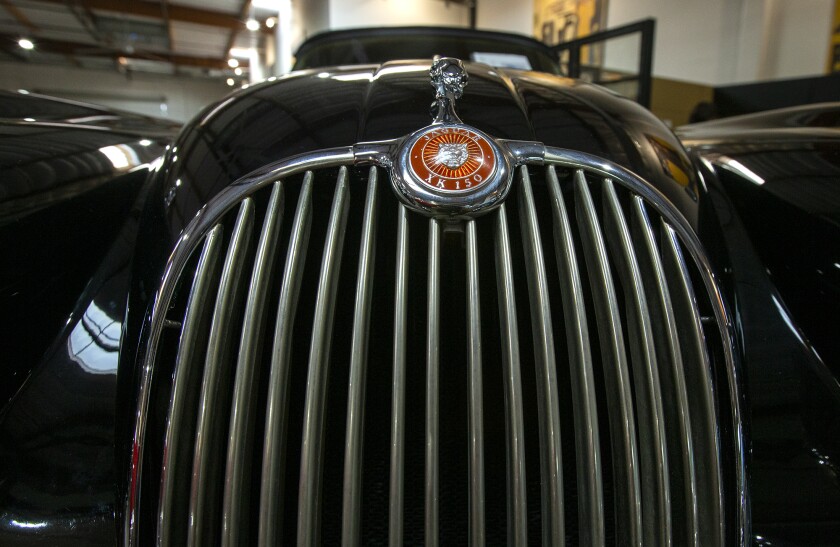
{"x": 449, "y": 78}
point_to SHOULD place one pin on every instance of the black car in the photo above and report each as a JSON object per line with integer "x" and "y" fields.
{"x": 331, "y": 313}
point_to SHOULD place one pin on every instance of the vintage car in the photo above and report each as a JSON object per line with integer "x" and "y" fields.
{"x": 328, "y": 313}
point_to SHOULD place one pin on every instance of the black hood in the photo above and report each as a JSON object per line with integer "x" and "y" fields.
{"x": 318, "y": 109}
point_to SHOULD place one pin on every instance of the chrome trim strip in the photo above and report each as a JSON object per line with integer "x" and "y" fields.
{"x": 551, "y": 464}
{"x": 656, "y": 496}
{"x": 588, "y": 460}
{"x": 235, "y": 509}
{"x": 669, "y": 353}
{"x": 625, "y": 451}
{"x": 312, "y": 449}
{"x": 180, "y": 419}
{"x": 432, "y": 384}
{"x": 397, "y": 485}
{"x": 352, "y": 502}
{"x": 517, "y": 501}
{"x": 272, "y": 494}
{"x": 698, "y": 380}
{"x": 476, "y": 407}
{"x": 214, "y": 402}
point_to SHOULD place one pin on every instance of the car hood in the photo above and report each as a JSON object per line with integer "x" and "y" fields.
{"x": 325, "y": 108}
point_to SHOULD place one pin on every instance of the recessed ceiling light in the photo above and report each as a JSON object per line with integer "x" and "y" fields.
{"x": 238, "y": 71}
{"x": 233, "y": 63}
{"x": 270, "y": 22}
{"x": 26, "y": 43}
{"x": 230, "y": 82}
{"x": 241, "y": 52}
{"x": 252, "y": 25}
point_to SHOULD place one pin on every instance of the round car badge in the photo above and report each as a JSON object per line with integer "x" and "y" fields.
{"x": 450, "y": 168}
{"x": 452, "y": 159}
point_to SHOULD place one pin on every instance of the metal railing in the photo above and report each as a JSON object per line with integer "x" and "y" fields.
{"x": 576, "y": 69}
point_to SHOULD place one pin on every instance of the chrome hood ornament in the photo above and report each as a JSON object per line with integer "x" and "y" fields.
{"x": 449, "y": 78}
{"x": 449, "y": 168}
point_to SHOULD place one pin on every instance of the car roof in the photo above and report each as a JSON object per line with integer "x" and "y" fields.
{"x": 340, "y": 35}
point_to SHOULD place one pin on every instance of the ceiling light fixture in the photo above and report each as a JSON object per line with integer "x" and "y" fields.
{"x": 241, "y": 52}
{"x": 230, "y": 82}
{"x": 25, "y": 43}
{"x": 233, "y": 63}
{"x": 270, "y": 22}
{"x": 252, "y": 24}
{"x": 238, "y": 71}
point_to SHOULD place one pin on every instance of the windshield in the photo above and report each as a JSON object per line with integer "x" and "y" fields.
{"x": 360, "y": 49}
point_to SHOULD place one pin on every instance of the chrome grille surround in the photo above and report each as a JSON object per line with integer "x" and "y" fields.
{"x": 654, "y": 342}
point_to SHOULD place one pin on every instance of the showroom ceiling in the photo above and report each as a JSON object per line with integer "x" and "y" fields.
{"x": 185, "y": 37}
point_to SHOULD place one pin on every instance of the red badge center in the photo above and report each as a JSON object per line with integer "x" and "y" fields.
{"x": 452, "y": 159}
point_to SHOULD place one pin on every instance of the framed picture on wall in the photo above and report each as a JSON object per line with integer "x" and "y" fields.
{"x": 557, "y": 21}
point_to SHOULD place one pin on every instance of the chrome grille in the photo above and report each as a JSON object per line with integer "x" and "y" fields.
{"x": 603, "y": 428}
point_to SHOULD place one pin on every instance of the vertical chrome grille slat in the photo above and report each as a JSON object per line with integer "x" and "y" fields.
{"x": 276, "y": 427}
{"x": 681, "y": 449}
{"x": 701, "y": 400}
{"x": 517, "y": 508}
{"x": 544, "y": 360}
{"x": 432, "y": 384}
{"x": 351, "y": 517}
{"x": 590, "y": 494}
{"x": 656, "y": 504}
{"x": 172, "y": 519}
{"x": 476, "y": 408}
{"x": 211, "y": 429}
{"x": 240, "y": 440}
{"x": 397, "y": 487}
{"x": 312, "y": 449}
{"x": 614, "y": 360}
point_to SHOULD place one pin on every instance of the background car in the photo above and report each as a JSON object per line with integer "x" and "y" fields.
{"x": 72, "y": 179}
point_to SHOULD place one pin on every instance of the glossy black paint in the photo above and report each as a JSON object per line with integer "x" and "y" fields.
{"x": 32, "y": 107}
{"x": 319, "y": 109}
{"x": 63, "y": 200}
{"x": 57, "y": 476}
{"x": 774, "y": 224}
{"x": 65, "y": 435}
{"x": 302, "y": 112}
{"x": 68, "y": 183}
{"x": 774, "y": 124}
{"x": 378, "y": 45}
